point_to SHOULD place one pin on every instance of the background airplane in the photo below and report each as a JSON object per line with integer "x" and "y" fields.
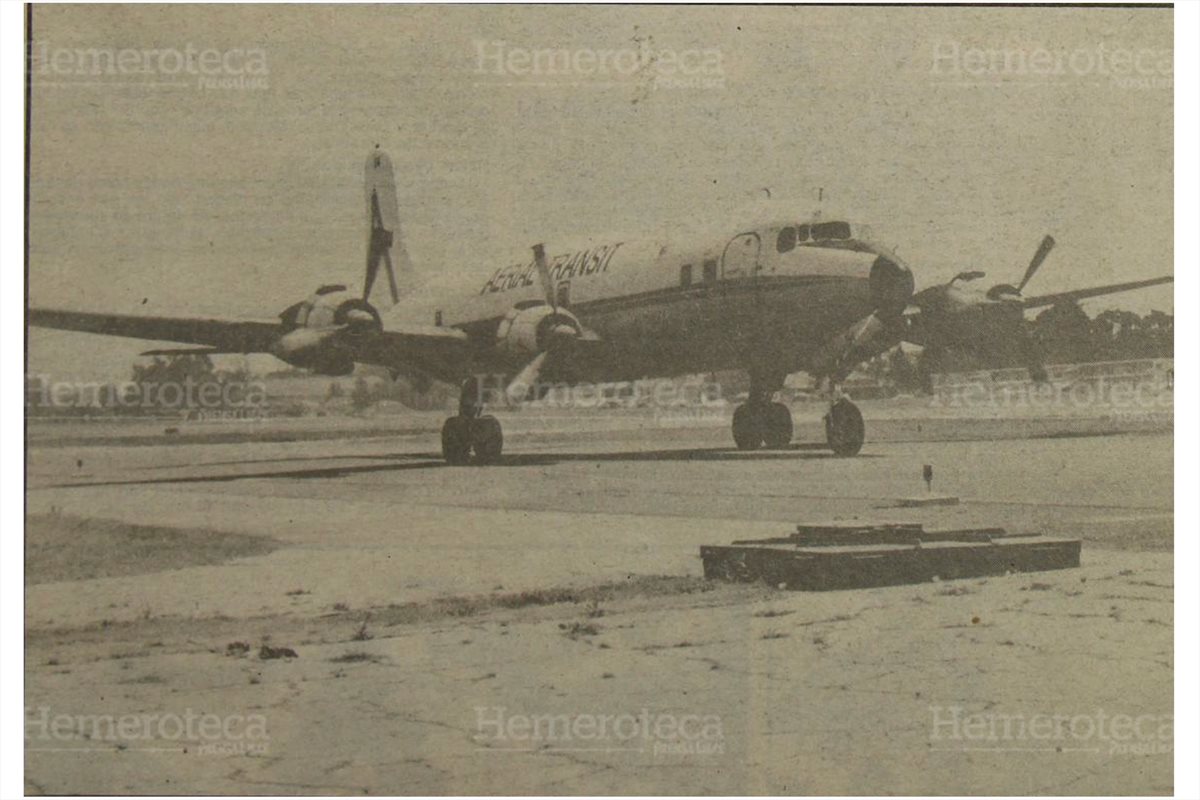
{"x": 819, "y": 296}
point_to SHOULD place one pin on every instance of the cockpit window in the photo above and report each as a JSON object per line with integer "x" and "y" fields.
{"x": 787, "y": 240}
{"x": 831, "y": 230}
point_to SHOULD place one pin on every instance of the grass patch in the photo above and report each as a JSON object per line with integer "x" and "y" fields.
{"x": 67, "y": 548}
{"x": 144, "y": 679}
{"x": 355, "y": 657}
{"x": 473, "y": 605}
{"x": 771, "y": 612}
{"x": 577, "y": 629}
{"x": 269, "y": 653}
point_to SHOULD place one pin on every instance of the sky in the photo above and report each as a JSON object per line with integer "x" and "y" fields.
{"x": 153, "y": 194}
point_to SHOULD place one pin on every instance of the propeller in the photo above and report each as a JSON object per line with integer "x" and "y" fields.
{"x": 519, "y": 386}
{"x": 379, "y": 249}
{"x": 557, "y": 337}
{"x": 890, "y": 285}
{"x": 956, "y": 317}
{"x": 1043, "y": 250}
{"x": 1003, "y": 291}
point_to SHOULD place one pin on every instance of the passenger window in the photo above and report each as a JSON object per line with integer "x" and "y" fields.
{"x": 802, "y": 233}
{"x": 437, "y": 318}
{"x": 685, "y": 275}
{"x": 710, "y": 271}
{"x": 563, "y": 295}
{"x": 787, "y": 240}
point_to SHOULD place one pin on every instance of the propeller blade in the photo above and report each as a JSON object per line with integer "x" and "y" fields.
{"x": 1043, "y": 250}
{"x": 391, "y": 273}
{"x": 372, "y": 270}
{"x": 520, "y": 385}
{"x": 543, "y": 271}
{"x": 379, "y": 250}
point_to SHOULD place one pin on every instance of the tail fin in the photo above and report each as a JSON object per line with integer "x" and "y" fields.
{"x": 384, "y": 238}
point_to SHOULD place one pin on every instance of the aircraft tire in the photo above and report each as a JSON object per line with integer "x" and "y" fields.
{"x": 844, "y": 429}
{"x": 487, "y": 439}
{"x": 777, "y": 425}
{"x": 456, "y": 440}
{"x": 748, "y": 426}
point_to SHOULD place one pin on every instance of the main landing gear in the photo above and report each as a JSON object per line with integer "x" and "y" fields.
{"x": 759, "y": 421}
{"x": 762, "y": 423}
{"x": 471, "y": 431}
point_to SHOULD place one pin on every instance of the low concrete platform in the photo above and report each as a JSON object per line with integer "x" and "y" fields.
{"x": 821, "y": 558}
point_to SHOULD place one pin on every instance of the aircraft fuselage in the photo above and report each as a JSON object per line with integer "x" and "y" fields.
{"x": 756, "y": 300}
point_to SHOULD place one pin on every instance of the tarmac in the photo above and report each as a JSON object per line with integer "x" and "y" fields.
{"x": 829, "y": 693}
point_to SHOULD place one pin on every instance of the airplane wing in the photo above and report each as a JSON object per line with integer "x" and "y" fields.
{"x": 440, "y": 352}
{"x": 217, "y": 335}
{"x": 443, "y": 353}
{"x": 1097, "y": 291}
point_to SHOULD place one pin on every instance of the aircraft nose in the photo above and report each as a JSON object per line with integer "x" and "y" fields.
{"x": 891, "y": 285}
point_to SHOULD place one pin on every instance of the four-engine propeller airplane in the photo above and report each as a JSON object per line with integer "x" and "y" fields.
{"x": 819, "y": 296}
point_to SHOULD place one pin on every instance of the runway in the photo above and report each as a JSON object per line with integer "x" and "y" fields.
{"x": 407, "y": 527}
{"x": 364, "y": 529}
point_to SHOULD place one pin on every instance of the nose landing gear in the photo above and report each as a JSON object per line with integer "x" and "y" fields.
{"x": 471, "y": 431}
{"x": 844, "y": 428}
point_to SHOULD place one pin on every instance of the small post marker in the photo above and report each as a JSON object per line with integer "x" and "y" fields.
{"x": 929, "y": 498}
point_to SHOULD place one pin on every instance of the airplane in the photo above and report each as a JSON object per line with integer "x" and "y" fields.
{"x": 819, "y": 296}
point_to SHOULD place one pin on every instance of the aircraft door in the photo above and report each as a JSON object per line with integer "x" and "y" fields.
{"x": 740, "y": 259}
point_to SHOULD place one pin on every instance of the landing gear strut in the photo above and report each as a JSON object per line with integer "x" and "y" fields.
{"x": 471, "y": 431}
{"x": 760, "y": 421}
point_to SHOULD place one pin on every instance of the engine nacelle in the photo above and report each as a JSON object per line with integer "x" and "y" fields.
{"x": 332, "y": 307}
{"x": 317, "y": 328}
{"x": 316, "y": 350}
{"x": 526, "y": 331}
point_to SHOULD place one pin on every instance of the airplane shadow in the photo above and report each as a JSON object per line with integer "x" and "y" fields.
{"x": 794, "y": 452}
{"x": 431, "y": 460}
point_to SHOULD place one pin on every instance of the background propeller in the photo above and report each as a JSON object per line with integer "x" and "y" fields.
{"x": 1043, "y": 250}
{"x": 957, "y": 316}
